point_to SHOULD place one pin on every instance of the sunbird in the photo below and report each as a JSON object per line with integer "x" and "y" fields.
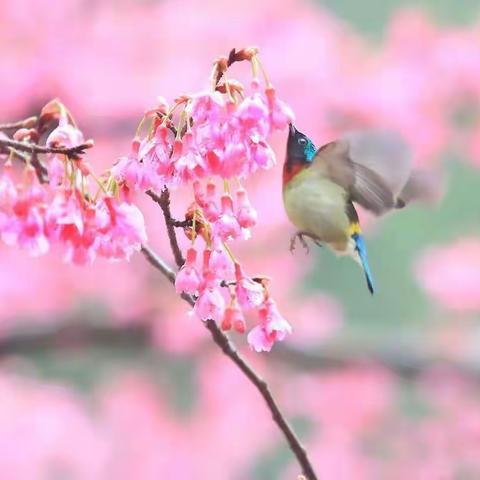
{"x": 320, "y": 186}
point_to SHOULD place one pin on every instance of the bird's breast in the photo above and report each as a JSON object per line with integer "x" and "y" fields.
{"x": 316, "y": 205}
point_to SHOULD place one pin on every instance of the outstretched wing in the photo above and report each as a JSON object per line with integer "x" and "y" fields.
{"x": 422, "y": 186}
{"x": 373, "y": 166}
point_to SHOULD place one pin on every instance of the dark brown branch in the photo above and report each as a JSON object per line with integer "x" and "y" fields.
{"x": 40, "y": 168}
{"x": 181, "y": 223}
{"x": 158, "y": 263}
{"x": 222, "y": 64}
{"x": 230, "y": 351}
{"x": 27, "y": 123}
{"x": 405, "y": 362}
{"x": 224, "y": 343}
{"x": 71, "y": 152}
{"x": 163, "y": 200}
{"x": 75, "y": 334}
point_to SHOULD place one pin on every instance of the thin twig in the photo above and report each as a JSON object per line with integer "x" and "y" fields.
{"x": 163, "y": 200}
{"x": 27, "y": 123}
{"x": 71, "y": 152}
{"x": 230, "y": 351}
{"x": 40, "y": 168}
{"x": 181, "y": 223}
{"x": 224, "y": 343}
{"x": 158, "y": 263}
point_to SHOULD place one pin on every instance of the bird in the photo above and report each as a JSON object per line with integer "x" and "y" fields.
{"x": 371, "y": 168}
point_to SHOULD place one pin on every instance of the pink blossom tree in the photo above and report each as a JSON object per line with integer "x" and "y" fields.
{"x": 51, "y": 196}
{"x": 365, "y": 404}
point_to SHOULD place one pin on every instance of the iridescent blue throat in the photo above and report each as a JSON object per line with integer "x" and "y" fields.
{"x": 309, "y": 151}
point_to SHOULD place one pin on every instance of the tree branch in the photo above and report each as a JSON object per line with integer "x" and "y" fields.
{"x": 406, "y": 363}
{"x": 74, "y": 333}
{"x": 224, "y": 343}
{"x": 158, "y": 263}
{"x": 27, "y": 123}
{"x": 163, "y": 200}
{"x": 71, "y": 152}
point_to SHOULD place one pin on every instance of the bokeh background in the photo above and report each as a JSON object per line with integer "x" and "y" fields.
{"x": 104, "y": 374}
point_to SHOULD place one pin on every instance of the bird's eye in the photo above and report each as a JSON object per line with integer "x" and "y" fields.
{"x": 302, "y": 142}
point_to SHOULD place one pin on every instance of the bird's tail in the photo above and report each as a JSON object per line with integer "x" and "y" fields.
{"x": 361, "y": 250}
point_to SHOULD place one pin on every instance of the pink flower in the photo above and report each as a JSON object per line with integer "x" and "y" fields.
{"x": 210, "y": 208}
{"x": 188, "y": 279}
{"x": 129, "y": 170}
{"x": 262, "y": 155}
{"x": 259, "y": 340}
{"x": 23, "y": 225}
{"x": 8, "y": 192}
{"x": 233, "y": 318}
{"x": 27, "y": 232}
{"x": 206, "y": 265}
{"x": 81, "y": 247}
{"x": 253, "y": 116}
{"x": 210, "y": 303}
{"x": 213, "y": 159}
{"x": 234, "y": 160}
{"x": 272, "y": 328}
{"x": 226, "y": 226}
{"x": 280, "y": 114}
{"x": 56, "y": 169}
{"x": 250, "y": 294}
{"x": 246, "y": 214}
{"x": 207, "y": 107}
{"x": 189, "y": 164}
{"x": 199, "y": 194}
{"x": 275, "y": 325}
{"x": 32, "y": 235}
{"x": 154, "y": 154}
{"x": 451, "y": 274}
{"x": 220, "y": 263}
{"x": 65, "y": 135}
{"x": 121, "y": 228}
{"x": 65, "y": 212}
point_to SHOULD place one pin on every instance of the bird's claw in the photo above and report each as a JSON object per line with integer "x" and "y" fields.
{"x": 301, "y": 237}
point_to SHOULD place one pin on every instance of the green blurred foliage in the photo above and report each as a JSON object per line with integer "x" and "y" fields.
{"x": 371, "y": 16}
{"x": 393, "y": 248}
{"x": 88, "y": 367}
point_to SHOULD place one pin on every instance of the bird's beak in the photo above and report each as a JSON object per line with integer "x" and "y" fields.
{"x": 292, "y": 129}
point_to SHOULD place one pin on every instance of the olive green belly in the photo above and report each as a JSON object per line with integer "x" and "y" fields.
{"x": 318, "y": 206}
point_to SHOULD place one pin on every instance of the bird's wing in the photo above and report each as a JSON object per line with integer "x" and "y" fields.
{"x": 422, "y": 186}
{"x": 373, "y": 166}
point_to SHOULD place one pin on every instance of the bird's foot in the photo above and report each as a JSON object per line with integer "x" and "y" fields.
{"x": 301, "y": 237}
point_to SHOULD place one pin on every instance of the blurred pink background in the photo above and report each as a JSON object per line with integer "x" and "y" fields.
{"x": 105, "y": 375}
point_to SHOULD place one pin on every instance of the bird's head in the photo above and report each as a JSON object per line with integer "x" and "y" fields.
{"x": 299, "y": 147}
{"x": 300, "y": 153}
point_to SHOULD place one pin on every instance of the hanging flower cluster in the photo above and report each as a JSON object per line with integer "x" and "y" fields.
{"x": 42, "y": 205}
{"x": 212, "y": 140}
{"x": 222, "y": 133}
